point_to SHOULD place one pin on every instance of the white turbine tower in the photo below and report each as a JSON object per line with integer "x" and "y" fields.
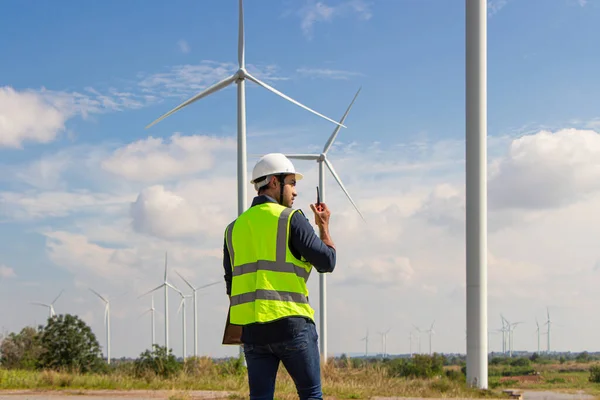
{"x": 239, "y": 78}
{"x": 166, "y": 286}
{"x": 151, "y": 310}
{"x": 322, "y": 159}
{"x": 537, "y": 331}
{"x": 476, "y": 190}
{"x": 195, "y": 289}
{"x": 548, "y": 322}
{"x": 430, "y": 331}
{"x": 384, "y": 342}
{"x": 366, "y": 339}
{"x": 418, "y": 337}
{"x": 51, "y": 305}
{"x": 183, "y": 330}
{"x": 106, "y": 322}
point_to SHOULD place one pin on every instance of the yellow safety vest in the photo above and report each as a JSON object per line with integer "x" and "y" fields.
{"x": 268, "y": 282}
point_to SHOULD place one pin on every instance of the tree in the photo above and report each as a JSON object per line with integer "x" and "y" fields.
{"x": 22, "y": 350}
{"x": 70, "y": 344}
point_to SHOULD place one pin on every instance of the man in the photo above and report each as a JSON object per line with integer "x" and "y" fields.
{"x": 268, "y": 256}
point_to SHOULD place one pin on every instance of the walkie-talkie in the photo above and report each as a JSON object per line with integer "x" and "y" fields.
{"x": 318, "y": 200}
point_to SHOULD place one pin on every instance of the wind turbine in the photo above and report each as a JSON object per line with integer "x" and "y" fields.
{"x": 106, "y": 322}
{"x": 418, "y": 337}
{"x": 51, "y": 305}
{"x": 239, "y": 78}
{"x": 366, "y": 339}
{"x": 195, "y": 289}
{"x": 548, "y": 322}
{"x": 166, "y": 285}
{"x": 538, "y": 334}
{"x": 322, "y": 159}
{"x": 182, "y": 309}
{"x": 151, "y": 310}
{"x": 384, "y": 342}
{"x": 430, "y": 331}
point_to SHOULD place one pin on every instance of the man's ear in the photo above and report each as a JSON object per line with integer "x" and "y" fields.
{"x": 273, "y": 182}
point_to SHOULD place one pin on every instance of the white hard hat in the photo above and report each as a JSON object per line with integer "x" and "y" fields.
{"x": 272, "y": 164}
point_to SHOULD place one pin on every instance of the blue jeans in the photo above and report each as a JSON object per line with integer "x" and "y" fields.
{"x": 300, "y": 357}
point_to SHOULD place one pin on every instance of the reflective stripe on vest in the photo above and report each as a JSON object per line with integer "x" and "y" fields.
{"x": 280, "y": 303}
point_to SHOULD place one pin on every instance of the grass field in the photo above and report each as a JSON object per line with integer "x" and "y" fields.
{"x": 341, "y": 381}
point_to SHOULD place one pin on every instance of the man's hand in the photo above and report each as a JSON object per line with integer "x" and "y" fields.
{"x": 322, "y": 214}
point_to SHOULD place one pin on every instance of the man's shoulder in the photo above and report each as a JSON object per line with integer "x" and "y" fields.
{"x": 299, "y": 220}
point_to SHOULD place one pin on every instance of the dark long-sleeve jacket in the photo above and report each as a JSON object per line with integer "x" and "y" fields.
{"x": 303, "y": 242}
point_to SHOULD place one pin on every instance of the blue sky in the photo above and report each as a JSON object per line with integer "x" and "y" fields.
{"x": 88, "y": 196}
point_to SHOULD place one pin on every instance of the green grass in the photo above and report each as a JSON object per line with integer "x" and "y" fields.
{"x": 342, "y": 383}
{"x": 568, "y": 377}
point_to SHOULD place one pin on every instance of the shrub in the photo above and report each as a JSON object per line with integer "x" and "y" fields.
{"x": 158, "y": 362}
{"x": 21, "y": 350}
{"x": 594, "y": 374}
{"x": 420, "y": 366}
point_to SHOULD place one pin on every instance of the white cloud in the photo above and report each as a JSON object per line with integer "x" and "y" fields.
{"x": 164, "y": 214}
{"x": 7, "y": 272}
{"x": 184, "y": 46}
{"x": 45, "y": 172}
{"x": 327, "y": 73}
{"x": 547, "y": 170}
{"x": 495, "y": 5}
{"x": 28, "y": 117}
{"x": 318, "y": 11}
{"x": 34, "y": 205}
{"x": 78, "y": 255}
{"x": 39, "y": 116}
{"x": 407, "y": 262}
{"x": 187, "y": 80}
{"x": 151, "y": 159}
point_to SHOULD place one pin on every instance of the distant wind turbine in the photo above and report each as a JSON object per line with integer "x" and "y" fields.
{"x": 538, "y": 334}
{"x": 50, "y": 306}
{"x": 366, "y": 339}
{"x": 384, "y": 342}
{"x": 418, "y": 337}
{"x": 548, "y": 323}
{"x": 430, "y": 331}
{"x": 106, "y": 322}
{"x": 166, "y": 285}
{"x": 151, "y": 310}
{"x": 183, "y": 329}
{"x": 321, "y": 159}
{"x": 195, "y": 289}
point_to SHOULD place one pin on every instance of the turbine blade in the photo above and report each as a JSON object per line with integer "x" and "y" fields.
{"x": 180, "y": 304}
{"x": 337, "y": 128}
{"x": 339, "y": 181}
{"x": 185, "y": 280}
{"x": 277, "y": 92}
{"x": 61, "y": 292}
{"x": 150, "y": 291}
{"x": 207, "y": 285}
{"x": 99, "y": 295}
{"x": 214, "y": 88}
{"x": 303, "y": 156}
{"x": 241, "y": 50}
{"x": 41, "y": 304}
{"x": 174, "y": 288}
{"x": 165, "y": 266}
